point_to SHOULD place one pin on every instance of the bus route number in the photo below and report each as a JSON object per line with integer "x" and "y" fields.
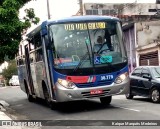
{"x": 106, "y": 77}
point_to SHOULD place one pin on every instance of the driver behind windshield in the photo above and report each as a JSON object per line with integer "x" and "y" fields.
{"x": 102, "y": 46}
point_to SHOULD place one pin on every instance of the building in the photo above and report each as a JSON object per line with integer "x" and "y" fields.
{"x": 141, "y": 26}
{"x": 120, "y": 9}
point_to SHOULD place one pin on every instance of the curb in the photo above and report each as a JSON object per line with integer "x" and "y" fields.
{"x": 3, "y": 103}
{"x": 5, "y": 87}
{"x": 3, "y": 116}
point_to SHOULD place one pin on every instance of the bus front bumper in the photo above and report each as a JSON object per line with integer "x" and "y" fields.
{"x": 63, "y": 94}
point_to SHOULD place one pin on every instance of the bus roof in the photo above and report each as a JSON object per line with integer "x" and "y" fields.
{"x": 83, "y": 18}
{"x": 87, "y": 18}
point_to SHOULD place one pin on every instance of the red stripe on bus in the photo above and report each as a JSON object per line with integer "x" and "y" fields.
{"x": 94, "y": 79}
{"x": 77, "y": 79}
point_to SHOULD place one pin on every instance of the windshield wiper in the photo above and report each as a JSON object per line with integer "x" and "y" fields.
{"x": 84, "y": 57}
{"x": 81, "y": 61}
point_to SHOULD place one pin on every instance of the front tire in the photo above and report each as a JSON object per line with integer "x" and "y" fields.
{"x": 129, "y": 96}
{"x": 106, "y": 100}
{"x": 52, "y": 105}
{"x": 155, "y": 95}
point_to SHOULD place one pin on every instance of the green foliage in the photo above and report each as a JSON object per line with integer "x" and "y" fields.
{"x": 11, "y": 70}
{"x": 11, "y": 27}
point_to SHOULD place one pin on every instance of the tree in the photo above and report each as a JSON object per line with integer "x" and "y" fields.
{"x": 11, "y": 27}
{"x": 11, "y": 70}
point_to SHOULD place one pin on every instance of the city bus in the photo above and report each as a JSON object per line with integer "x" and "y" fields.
{"x": 57, "y": 61}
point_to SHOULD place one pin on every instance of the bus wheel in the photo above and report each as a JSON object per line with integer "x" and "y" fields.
{"x": 106, "y": 100}
{"x": 51, "y": 104}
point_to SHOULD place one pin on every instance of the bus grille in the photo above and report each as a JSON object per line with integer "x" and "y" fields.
{"x": 88, "y": 95}
{"x": 91, "y": 84}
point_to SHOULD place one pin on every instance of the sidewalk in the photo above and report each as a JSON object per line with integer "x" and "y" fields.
{"x": 4, "y": 118}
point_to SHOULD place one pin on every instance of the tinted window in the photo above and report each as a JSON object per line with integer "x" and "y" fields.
{"x": 156, "y": 72}
{"x": 137, "y": 72}
{"x": 37, "y": 40}
{"x": 145, "y": 72}
{"x": 39, "y": 55}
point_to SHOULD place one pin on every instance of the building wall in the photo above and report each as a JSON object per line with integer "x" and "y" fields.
{"x": 146, "y": 50}
{"x": 145, "y": 36}
{"x": 120, "y": 9}
{"x": 148, "y": 40}
{"x": 147, "y": 32}
{"x": 140, "y": 9}
{"x": 130, "y": 47}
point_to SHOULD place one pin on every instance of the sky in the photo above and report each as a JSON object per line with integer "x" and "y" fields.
{"x": 65, "y": 8}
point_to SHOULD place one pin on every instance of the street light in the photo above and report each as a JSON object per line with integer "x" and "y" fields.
{"x": 48, "y": 10}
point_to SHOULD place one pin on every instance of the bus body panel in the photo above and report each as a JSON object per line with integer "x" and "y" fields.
{"x": 44, "y": 72}
{"x": 97, "y": 83}
{"x": 63, "y": 94}
{"x": 22, "y": 76}
{"x": 41, "y": 76}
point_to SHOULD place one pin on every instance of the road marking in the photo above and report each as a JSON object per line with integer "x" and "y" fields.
{"x": 127, "y": 108}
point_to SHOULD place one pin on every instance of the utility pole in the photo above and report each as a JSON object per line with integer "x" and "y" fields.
{"x": 48, "y": 10}
{"x": 81, "y": 7}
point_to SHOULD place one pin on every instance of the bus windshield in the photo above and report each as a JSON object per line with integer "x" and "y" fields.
{"x": 87, "y": 44}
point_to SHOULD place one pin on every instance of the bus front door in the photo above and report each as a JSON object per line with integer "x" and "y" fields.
{"x": 28, "y": 69}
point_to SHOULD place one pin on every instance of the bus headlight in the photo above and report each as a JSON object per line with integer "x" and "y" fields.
{"x": 66, "y": 84}
{"x": 121, "y": 78}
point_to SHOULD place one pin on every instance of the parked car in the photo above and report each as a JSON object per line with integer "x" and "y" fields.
{"x": 145, "y": 81}
{"x": 14, "y": 81}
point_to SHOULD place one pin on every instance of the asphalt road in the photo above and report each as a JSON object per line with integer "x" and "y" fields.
{"x": 120, "y": 109}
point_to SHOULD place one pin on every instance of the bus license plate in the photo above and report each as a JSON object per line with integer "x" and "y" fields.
{"x": 99, "y": 91}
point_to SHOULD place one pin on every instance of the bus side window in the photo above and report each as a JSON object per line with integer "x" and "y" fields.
{"x": 39, "y": 55}
{"x": 31, "y": 44}
{"x": 37, "y": 40}
{"x": 38, "y": 49}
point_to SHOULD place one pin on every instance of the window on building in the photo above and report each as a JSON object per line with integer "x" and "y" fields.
{"x": 92, "y": 12}
{"x": 105, "y": 12}
{"x": 95, "y": 12}
{"x": 88, "y": 12}
{"x": 109, "y": 12}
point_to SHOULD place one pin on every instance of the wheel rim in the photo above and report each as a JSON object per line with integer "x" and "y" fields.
{"x": 155, "y": 95}
{"x": 127, "y": 95}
